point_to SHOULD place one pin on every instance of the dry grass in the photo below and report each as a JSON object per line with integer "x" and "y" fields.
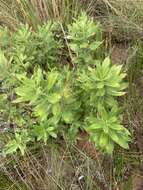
{"x": 35, "y": 12}
{"x": 122, "y": 19}
{"x": 54, "y": 168}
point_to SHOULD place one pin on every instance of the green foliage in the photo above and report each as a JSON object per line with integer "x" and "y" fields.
{"x": 106, "y": 129}
{"x": 29, "y": 48}
{"x": 18, "y": 143}
{"x": 46, "y": 45}
{"x": 4, "y": 37}
{"x": 47, "y": 100}
{"x": 4, "y": 67}
{"x": 50, "y": 96}
{"x": 102, "y": 83}
{"x": 22, "y": 48}
{"x": 85, "y": 39}
{"x": 44, "y": 131}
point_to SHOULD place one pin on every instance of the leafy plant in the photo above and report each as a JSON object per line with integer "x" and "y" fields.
{"x": 22, "y": 50}
{"x": 46, "y": 45}
{"x": 29, "y": 48}
{"x": 18, "y": 143}
{"x": 51, "y": 96}
{"x": 48, "y": 100}
{"x": 4, "y": 38}
{"x": 105, "y": 129}
{"x": 102, "y": 83}
{"x": 100, "y": 86}
{"x": 85, "y": 39}
{"x": 44, "y": 131}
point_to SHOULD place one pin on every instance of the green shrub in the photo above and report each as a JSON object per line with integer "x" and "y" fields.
{"x": 48, "y": 100}
{"x": 85, "y": 39}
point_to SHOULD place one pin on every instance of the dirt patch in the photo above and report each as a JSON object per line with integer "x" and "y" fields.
{"x": 120, "y": 54}
{"x": 137, "y": 181}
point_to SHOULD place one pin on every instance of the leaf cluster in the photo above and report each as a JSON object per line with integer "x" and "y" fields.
{"x": 47, "y": 100}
